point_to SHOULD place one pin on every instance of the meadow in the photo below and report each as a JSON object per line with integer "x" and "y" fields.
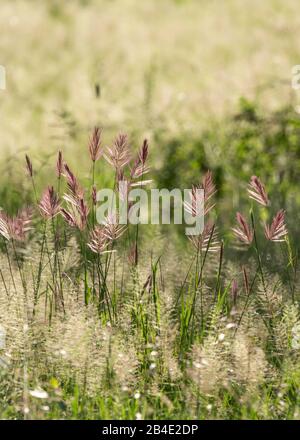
{"x": 142, "y": 322}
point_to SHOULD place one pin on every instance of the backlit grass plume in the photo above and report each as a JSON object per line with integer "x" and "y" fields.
{"x": 17, "y": 227}
{"x": 118, "y": 155}
{"x": 95, "y": 145}
{"x": 257, "y": 191}
{"x": 49, "y": 204}
{"x": 243, "y": 231}
{"x": 277, "y": 230}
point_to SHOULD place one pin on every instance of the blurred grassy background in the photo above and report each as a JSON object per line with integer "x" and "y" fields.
{"x": 208, "y": 82}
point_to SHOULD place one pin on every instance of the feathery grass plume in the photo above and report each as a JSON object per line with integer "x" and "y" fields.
{"x": 29, "y": 169}
{"x": 59, "y": 165}
{"x": 124, "y": 363}
{"x": 98, "y": 240}
{"x": 209, "y": 187}
{"x": 287, "y": 329}
{"x": 49, "y": 204}
{"x": 118, "y": 155}
{"x": 244, "y": 232}
{"x": 95, "y": 145}
{"x": 269, "y": 297}
{"x": 139, "y": 167}
{"x": 199, "y": 200}
{"x": 69, "y": 218}
{"x": 105, "y": 234}
{"x": 5, "y": 226}
{"x": 29, "y": 166}
{"x": 278, "y": 230}
{"x": 77, "y": 213}
{"x": 77, "y": 347}
{"x": 257, "y": 191}
{"x": 83, "y": 211}
{"x": 194, "y": 207}
{"x": 72, "y": 182}
{"x": 15, "y": 228}
{"x": 200, "y": 242}
{"x": 207, "y": 366}
{"x": 250, "y": 362}
{"x": 112, "y": 229}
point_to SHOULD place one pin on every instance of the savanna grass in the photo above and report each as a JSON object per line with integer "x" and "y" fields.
{"x": 93, "y": 325}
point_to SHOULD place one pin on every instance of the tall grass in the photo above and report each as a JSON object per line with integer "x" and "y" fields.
{"x": 97, "y": 322}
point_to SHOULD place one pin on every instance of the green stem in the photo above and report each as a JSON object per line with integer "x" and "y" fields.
{"x": 36, "y": 290}
{"x": 257, "y": 252}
